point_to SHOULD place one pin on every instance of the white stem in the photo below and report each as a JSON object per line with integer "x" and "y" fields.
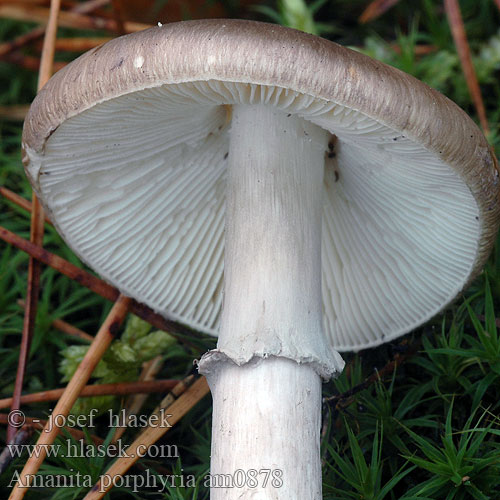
{"x": 272, "y": 268}
{"x": 265, "y": 431}
{"x": 265, "y": 373}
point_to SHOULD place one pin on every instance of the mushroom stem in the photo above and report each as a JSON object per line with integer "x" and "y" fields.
{"x": 265, "y": 431}
{"x": 265, "y": 373}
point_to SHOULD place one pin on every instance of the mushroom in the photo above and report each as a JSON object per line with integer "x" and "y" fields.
{"x": 327, "y": 201}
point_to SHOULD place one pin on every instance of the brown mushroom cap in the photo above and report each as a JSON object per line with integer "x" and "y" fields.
{"x": 225, "y": 57}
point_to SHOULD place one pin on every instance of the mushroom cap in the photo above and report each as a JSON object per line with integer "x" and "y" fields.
{"x": 126, "y": 148}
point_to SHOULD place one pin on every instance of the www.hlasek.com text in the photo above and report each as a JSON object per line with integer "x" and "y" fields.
{"x": 79, "y": 449}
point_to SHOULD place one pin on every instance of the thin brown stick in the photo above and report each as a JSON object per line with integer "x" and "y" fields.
{"x": 97, "y": 285}
{"x": 66, "y": 19}
{"x": 135, "y": 402}
{"x": 117, "y": 389}
{"x": 98, "y": 9}
{"x": 118, "y": 16}
{"x": 21, "y": 41}
{"x": 69, "y": 329}
{"x": 482, "y": 317}
{"x": 106, "y": 333}
{"x": 376, "y": 9}
{"x": 37, "y": 230}
{"x": 25, "y": 432}
{"x": 21, "y": 437}
{"x": 15, "y": 198}
{"x": 14, "y": 112}
{"x": 80, "y": 44}
{"x": 37, "y": 217}
{"x": 63, "y": 266}
{"x": 25, "y": 2}
{"x": 419, "y": 50}
{"x": 169, "y": 399}
{"x": 345, "y": 399}
{"x": 40, "y": 423}
{"x": 29, "y": 62}
{"x": 89, "y": 6}
{"x": 65, "y": 327}
{"x": 150, "y": 435}
{"x": 459, "y": 36}
{"x": 48, "y": 51}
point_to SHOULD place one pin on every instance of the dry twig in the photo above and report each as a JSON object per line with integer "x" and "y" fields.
{"x": 118, "y": 16}
{"x": 80, "y": 44}
{"x": 376, "y": 9}
{"x": 345, "y": 399}
{"x": 135, "y": 402}
{"x": 106, "y": 333}
{"x": 67, "y": 19}
{"x": 21, "y": 41}
{"x": 40, "y": 423}
{"x": 37, "y": 230}
{"x": 150, "y": 435}
{"x": 65, "y": 327}
{"x": 459, "y": 36}
{"x": 18, "y": 200}
{"x": 13, "y": 113}
{"x": 117, "y": 389}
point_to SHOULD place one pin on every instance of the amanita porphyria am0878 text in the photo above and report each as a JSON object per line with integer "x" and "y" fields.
{"x": 270, "y": 187}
